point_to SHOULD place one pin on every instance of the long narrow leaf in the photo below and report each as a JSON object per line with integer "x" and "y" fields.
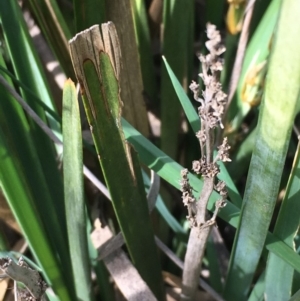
{"x": 73, "y": 190}
{"x": 274, "y": 128}
{"x": 188, "y": 108}
{"x": 54, "y": 28}
{"x": 286, "y": 228}
{"x": 251, "y": 79}
{"x": 144, "y": 45}
{"x": 95, "y": 60}
{"x": 177, "y": 19}
{"x": 48, "y": 186}
{"x": 20, "y": 180}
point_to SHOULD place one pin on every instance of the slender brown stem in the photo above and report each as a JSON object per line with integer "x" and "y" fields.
{"x": 240, "y": 55}
{"x": 210, "y": 111}
{"x": 193, "y": 259}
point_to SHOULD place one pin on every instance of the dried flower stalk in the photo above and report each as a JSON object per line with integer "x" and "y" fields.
{"x": 211, "y": 110}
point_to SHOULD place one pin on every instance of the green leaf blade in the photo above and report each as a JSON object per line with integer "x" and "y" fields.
{"x": 118, "y": 160}
{"x": 74, "y": 195}
{"x": 257, "y": 53}
{"x": 176, "y": 46}
{"x": 23, "y": 187}
{"x": 278, "y": 271}
{"x": 188, "y": 108}
{"x": 274, "y": 128}
{"x": 48, "y": 187}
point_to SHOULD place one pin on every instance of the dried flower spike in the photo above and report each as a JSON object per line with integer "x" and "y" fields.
{"x": 212, "y": 106}
{"x": 187, "y": 196}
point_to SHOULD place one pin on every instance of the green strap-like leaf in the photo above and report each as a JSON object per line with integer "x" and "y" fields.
{"x": 143, "y": 39}
{"x": 48, "y": 189}
{"x": 22, "y": 183}
{"x": 176, "y": 47}
{"x": 256, "y": 54}
{"x": 273, "y": 134}
{"x": 54, "y": 28}
{"x": 287, "y": 224}
{"x": 73, "y": 191}
{"x": 97, "y": 67}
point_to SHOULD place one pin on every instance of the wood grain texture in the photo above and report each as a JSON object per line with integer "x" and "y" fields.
{"x": 134, "y": 111}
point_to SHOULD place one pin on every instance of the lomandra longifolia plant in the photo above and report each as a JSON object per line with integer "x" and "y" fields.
{"x": 211, "y": 109}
